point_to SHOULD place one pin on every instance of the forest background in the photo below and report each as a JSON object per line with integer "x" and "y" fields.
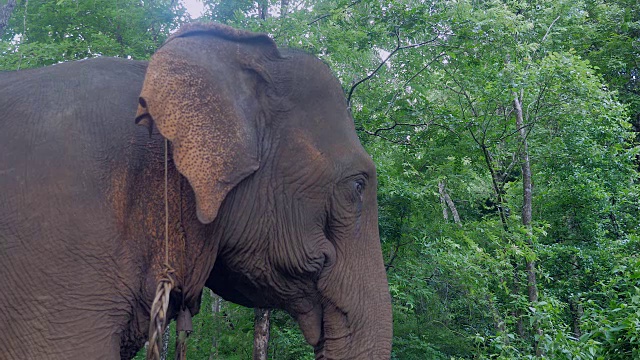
{"x": 505, "y": 134}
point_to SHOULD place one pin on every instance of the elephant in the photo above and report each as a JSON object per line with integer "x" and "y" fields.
{"x": 240, "y": 154}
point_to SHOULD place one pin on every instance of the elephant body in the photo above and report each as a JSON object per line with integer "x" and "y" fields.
{"x": 270, "y": 198}
{"x": 70, "y": 262}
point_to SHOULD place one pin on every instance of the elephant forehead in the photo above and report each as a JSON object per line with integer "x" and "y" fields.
{"x": 307, "y": 145}
{"x": 336, "y": 149}
{"x": 319, "y": 104}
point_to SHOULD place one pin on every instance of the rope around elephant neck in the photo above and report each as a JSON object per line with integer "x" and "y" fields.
{"x": 167, "y": 279}
{"x": 166, "y": 202}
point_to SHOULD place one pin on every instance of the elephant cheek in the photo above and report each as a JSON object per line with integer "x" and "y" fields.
{"x": 310, "y": 323}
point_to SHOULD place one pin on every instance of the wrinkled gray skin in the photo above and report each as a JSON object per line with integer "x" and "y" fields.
{"x": 272, "y": 199}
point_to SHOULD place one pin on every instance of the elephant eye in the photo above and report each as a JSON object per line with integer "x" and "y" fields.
{"x": 359, "y": 186}
{"x": 354, "y": 188}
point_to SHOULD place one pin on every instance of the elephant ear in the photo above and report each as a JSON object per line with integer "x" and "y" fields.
{"x": 204, "y": 90}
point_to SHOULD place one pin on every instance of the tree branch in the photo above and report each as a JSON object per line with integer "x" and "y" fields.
{"x": 549, "y": 30}
{"x": 396, "y": 124}
{"x": 398, "y": 142}
{"x": 329, "y": 14}
{"x": 446, "y": 201}
{"x": 395, "y": 96}
{"x": 462, "y": 92}
{"x": 391, "y": 54}
{"x": 400, "y": 124}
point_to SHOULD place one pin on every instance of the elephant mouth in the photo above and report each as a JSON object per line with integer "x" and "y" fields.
{"x": 326, "y": 329}
{"x": 310, "y": 321}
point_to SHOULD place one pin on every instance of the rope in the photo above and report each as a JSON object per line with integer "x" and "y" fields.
{"x": 167, "y": 278}
{"x": 159, "y": 314}
{"x": 166, "y": 201}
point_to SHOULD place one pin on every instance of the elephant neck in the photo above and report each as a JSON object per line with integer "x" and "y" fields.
{"x": 136, "y": 195}
{"x": 191, "y": 251}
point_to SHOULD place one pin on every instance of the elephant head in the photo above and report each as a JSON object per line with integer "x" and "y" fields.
{"x": 267, "y": 143}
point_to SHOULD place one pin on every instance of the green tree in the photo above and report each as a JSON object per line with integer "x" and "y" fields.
{"x": 44, "y": 32}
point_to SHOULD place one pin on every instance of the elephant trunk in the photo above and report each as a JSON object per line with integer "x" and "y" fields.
{"x": 368, "y": 338}
{"x": 356, "y": 305}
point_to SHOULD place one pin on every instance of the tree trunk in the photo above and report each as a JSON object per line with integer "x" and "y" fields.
{"x": 576, "y": 313}
{"x": 263, "y": 6}
{"x": 443, "y": 202}
{"x": 575, "y": 306}
{"x": 497, "y": 185}
{"x": 446, "y": 201}
{"x": 5, "y": 14}
{"x": 216, "y": 303}
{"x": 612, "y": 217}
{"x": 498, "y": 321}
{"x": 517, "y": 314}
{"x": 284, "y": 4}
{"x": 532, "y": 287}
{"x": 261, "y": 334}
{"x": 165, "y": 344}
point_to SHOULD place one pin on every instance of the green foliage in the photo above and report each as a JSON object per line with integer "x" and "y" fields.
{"x": 287, "y": 342}
{"x": 47, "y": 32}
{"x": 612, "y": 313}
{"x": 228, "y": 334}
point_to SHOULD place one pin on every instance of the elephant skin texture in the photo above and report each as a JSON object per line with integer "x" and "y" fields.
{"x": 271, "y": 198}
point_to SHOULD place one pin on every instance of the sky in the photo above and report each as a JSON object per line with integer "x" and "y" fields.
{"x": 194, "y": 7}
